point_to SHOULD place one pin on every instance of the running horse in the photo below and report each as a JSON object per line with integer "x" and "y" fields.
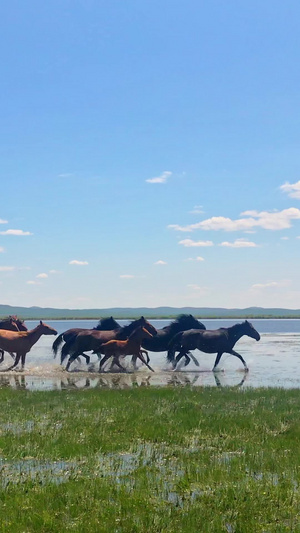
{"x": 106, "y": 324}
{"x": 21, "y": 342}
{"x": 218, "y": 341}
{"x": 131, "y": 346}
{"x": 11, "y": 323}
{"x": 92, "y": 340}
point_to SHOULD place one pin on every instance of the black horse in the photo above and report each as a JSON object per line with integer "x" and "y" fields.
{"x": 160, "y": 342}
{"x": 104, "y": 324}
{"x": 210, "y": 341}
{"x": 91, "y": 340}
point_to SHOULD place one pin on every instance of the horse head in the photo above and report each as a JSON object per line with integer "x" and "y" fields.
{"x": 20, "y": 324}
{"x": 251, "y": 331}
{"x": 146, "y": 325}
{"x": 46, "y": 330}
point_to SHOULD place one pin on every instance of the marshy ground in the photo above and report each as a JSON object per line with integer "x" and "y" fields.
{"x": 150, "y": 460}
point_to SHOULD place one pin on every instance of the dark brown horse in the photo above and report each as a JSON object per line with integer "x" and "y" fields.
{"x": 131, "y": 346}
{"x": 91, "y": 340}
{"x": 218, "y": 341}
{"x": 104, "y": 324}
{"x": 21, "y": 342}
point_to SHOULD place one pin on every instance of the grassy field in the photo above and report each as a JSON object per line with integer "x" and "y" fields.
{"x": 150, "y": 460}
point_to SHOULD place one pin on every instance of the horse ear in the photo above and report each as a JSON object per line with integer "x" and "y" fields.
{"x": 41, "y": 322}
{"x": 142, "y": 317}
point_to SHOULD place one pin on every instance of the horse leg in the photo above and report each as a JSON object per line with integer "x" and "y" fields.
{"x": 117, "y": 363}
{"x": 71, "y": 359}
{"x": 133, "y": 360}
{"x": 1, "y": 356}
{"x": 102, "y": 361}
{"x": 17, "y": 359}
{"x": 146, "y": 354}
{"x": 23, "y": 357}
{"x": 232, "y": 352}
{"x": 181, "y": 354}
{"x": 196, "y": 362}
{"x": 142, "y": 358}
{"x": 219, "y": 355}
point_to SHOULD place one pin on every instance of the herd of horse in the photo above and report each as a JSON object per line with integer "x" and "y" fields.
{"x": 111, "y": 341}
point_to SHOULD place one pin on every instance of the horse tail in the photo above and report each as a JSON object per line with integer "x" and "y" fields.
{"x": 174, "y": 344}
{"x": 57, "y": 343}
{"x": 66, "y": 350}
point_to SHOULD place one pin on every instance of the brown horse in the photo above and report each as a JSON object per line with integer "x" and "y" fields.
{"x": 92, "y": 340}
{"x": 21, "y": 342}
{"x": 132, "y": 346}
{"x": 11, "y": 323}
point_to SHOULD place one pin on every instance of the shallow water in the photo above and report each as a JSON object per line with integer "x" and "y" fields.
{"x": 273, "y": 361}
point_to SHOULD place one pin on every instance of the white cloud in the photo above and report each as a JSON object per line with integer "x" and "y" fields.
{"x": 199, "y": 258}
{"x": 3, "y": 221}
{"x": 126, "y": 276}
{"x": 18, "y": 232}
{"x": 1, "y": 249}
{"x": 53, "y": 272}
{"x": 42, "y": 275}
{"x": 32, "y": 282}
{"x": 7, "y": 268}
{"x": 66, "y": 175}
{"x": 275, "y": 220}
{"x": 270, "y": 285}
{"x": 197, "y": 210}
{"x": 160, "y": 262}
{"x": 189, "y": 243}
{"x": 239, "y": 243}
{"x": 76, "y": 262}
{"x": 160, "y": 179}
{"x": 197, "y": 289}
{"x": 292, "y": 189}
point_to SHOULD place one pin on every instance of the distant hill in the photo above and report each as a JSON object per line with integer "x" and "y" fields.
{"x": 43, "y": 313}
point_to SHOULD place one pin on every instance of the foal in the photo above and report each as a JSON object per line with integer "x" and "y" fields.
{"x": 131, "y": 346}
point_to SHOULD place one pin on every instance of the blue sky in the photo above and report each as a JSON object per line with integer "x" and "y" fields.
{"x": 150, "y": 153}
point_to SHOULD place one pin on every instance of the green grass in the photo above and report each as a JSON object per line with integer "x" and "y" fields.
{"x": 150, "y": 460}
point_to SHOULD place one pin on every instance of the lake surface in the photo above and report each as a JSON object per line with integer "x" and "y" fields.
{"x": 272, "y": 362}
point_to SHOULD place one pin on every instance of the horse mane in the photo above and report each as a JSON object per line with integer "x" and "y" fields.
{"x": 179, "y": 321}
{"x": 108, "y": 323}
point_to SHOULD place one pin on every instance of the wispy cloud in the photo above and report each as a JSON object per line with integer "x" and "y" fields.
{"x": 197, "y": 210}
{"x": 160, "y": 262}
{"x": 160, "y": 179}
{"x": 33, "y": 282}
{"x": 189, "y": 243}
{"x": 76, "y": 262}
{"x": 17, "y": 232}
{"x": 275, "y": 220}
{"x": 7, "y": 268}
{"x": 127, "y": 276}
{"x": 197, "y": 289}
{"x": 199, "y": 258}
{"x": 239, "y": 243}
{"x": 292, "y": 189}
{"x": 270, "y": 285}
{"x": 66, "y": 175}
{"x": 1, "y": 249}
{"x": 43, "y": 275}
{"x": 3, "y": 221}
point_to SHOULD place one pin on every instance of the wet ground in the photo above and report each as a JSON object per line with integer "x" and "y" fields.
{"x": 273, "y": 361}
